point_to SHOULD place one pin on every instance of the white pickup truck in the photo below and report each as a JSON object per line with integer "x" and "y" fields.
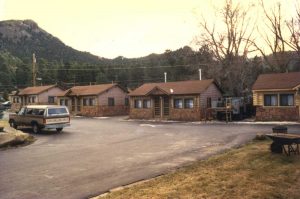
{"x": 41, "y": 117}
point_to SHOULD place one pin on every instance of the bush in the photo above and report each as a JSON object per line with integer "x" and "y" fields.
{"x": 260, "y": 136}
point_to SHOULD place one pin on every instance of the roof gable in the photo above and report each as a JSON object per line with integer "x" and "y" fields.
{"x": 173, "y": 88}
{"x": 277, "y": 81}
{"x": 91, "y": 89}
{"x": 35, "y": 90}
{"x": 157, "y": 91}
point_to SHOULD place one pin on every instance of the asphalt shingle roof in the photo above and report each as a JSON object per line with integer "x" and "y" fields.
{"x": 89, "y": 90}
{"x": 277, "y": 81}
{"x": 174, "y": 88}
{"x": 35, "y": 90}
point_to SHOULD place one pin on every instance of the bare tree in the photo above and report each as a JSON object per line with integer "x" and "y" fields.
{"x": 294, "y": 29}
{"x": 230, "y": 46}
{"x": 275, "y": 39}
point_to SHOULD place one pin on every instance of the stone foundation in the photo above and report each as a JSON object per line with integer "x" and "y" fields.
{"x": 175, "y": 114}
{"x": 99, "y": 111}
{"x": 277, "y": 113}
{"x": 185, "y": 114}
{"x": 141, "y": 113}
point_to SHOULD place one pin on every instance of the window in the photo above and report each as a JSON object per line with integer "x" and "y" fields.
{"x": 286, "y": 99}
{"x": 57, "y": 111}
{"x": 188, "y": 103}
{"x": 41, "y": 112}
{"x": 111, "y": 101}
{"x": 146, "y": 103}
{"x": 270, "y": 100}
{"x": 91, "y": 101}
{"x": 29, "y": 111}
{"x": 137, "y": 103}
{"x": 208, "y": 102}
{"x": 63, "y": 102}
{"x": 51, "y": 100}
{"x": 38, "y": 111}
{"x": 178, "y": 103}
{"x": 66, "y": 102}
{"x": 31, "y": 99}
{"x": 126, "y": 101}
{"x": 22, "y": 111}
{"x": 35, "y": 111}
{"x": 85, "y": 101}
{"x": 88, "y": 102}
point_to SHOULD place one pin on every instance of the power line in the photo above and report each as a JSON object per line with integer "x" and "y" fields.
{"x": 122, "y": 68}
{"x": 72, "y": 83}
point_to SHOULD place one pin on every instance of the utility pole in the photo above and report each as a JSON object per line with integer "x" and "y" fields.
{"x": 200, "y": 74}
{"x": 33, "y": 70}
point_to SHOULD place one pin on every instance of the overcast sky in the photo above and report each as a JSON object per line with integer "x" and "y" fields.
{"x": 111, "y": 28}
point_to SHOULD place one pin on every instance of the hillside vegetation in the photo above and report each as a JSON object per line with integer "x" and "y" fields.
{"x": 61, "y": 64}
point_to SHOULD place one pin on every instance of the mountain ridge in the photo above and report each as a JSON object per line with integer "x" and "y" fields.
{"x": 23, "y": 37}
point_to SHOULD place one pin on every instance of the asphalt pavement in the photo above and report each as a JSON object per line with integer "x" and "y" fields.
{"x": 95, "y": 155}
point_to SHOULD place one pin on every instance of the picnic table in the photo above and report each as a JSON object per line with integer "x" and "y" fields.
{"x": 285, "y": 142}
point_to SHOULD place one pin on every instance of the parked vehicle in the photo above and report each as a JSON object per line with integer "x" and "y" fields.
{"x": 6, "y": 104}
{"x": 1, "y": 114}
{"x": 41, "y": 117}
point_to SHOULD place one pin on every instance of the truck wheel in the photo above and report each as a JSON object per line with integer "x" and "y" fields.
{"x": 35, "y": 128}
{"x": 13, "y": 124}
{"x": 59, "y": 130}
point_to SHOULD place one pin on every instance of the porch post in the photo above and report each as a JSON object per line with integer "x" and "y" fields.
{"x": 75, "y": 108}
{"x": 161, "y": 106}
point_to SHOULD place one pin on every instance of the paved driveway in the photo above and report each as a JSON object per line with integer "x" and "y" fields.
{"x": 95, "y": 155}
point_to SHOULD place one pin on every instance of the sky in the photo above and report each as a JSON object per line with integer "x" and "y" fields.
{"x": 129, "y": 28}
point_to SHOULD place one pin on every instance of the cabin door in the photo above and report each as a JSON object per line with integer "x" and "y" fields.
{"x": 73, "y": 104}
{"x": 157, "y": 107}
{"x": 166, "y": 106}
{"x": 161, "y": 107}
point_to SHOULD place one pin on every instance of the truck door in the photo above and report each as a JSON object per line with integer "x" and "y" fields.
{"x": 20, "y": 116}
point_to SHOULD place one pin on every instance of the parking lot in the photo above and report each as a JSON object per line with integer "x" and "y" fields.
{"x": 95, "y": 155}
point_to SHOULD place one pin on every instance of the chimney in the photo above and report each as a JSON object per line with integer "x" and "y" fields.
{"x": 200, "y": 75}
{"x": 165, "y": 76}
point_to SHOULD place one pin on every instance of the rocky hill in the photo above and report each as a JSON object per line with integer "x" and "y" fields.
{"x": 22, "y": 38}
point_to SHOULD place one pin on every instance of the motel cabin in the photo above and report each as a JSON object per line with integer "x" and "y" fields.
{"x": 96, "y": 100}
{"x": 35, "y": 95}
{"x": 181, "y": 100}
{"x": 277, "y": 97}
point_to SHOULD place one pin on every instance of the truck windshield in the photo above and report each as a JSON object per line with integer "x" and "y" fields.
{"x": 57, "y": 111}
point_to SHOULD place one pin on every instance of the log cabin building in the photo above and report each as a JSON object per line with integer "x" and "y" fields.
{"x": 277, "y": 97}
{"x": 96, "y": 100}
{"x": 35, "y": 95}
{"x": 182, "y": 100}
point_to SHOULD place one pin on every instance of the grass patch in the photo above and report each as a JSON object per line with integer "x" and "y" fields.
{"x": 4, "y": 123}
{"x": 248, "y": 172}
{"x": 13, "y": 138}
